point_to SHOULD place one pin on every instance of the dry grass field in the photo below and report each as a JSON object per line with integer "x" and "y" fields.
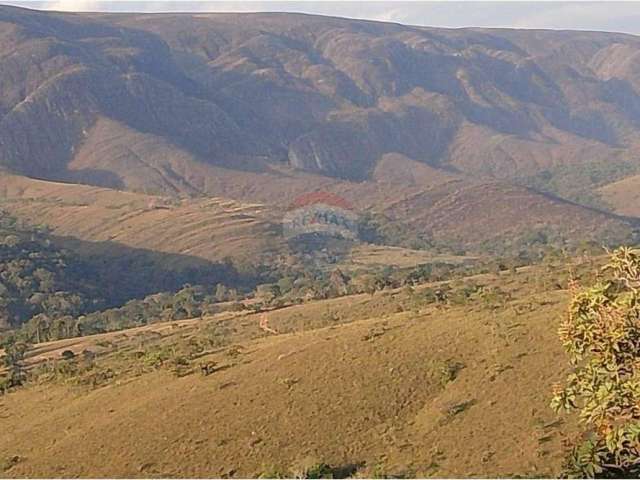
{"x": 371, "y": 385}
{"x": 372, "y": 255}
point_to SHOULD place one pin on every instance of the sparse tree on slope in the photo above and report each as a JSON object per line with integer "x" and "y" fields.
{"x": 14, "y": 352}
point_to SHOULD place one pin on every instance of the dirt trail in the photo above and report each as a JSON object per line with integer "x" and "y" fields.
{"x": 52, "y": 350}
{"x": 264, "y": 324}
{"x": 42, "y": 352}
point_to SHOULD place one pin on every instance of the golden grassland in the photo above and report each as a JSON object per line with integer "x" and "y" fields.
{"x": 371, "y": 385}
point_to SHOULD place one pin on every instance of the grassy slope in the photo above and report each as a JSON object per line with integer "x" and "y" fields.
{"x": 455, "y": 211}
{"x": 355, "y": 380}
{"x": 209, "y": 228}
{"x": 623, "y": 196}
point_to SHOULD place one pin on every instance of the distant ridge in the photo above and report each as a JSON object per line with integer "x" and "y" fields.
{"x": 267, "y": 107}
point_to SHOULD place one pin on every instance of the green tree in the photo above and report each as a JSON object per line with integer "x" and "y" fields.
{"x": 14, "y": 352}
{"x": 187, "y": 300}
{"x": 601, "y": 334}
{"x": 38, "y": 328}
{"x": 221, "y": 294}
{"x": 267, "y": 292}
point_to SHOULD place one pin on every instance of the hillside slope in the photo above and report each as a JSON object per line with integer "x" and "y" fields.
{"x": 367, "y": 384}
{"x": 623, "y": 196}
{"x": 447, "y": 209}
{"x": 207, "y": 228}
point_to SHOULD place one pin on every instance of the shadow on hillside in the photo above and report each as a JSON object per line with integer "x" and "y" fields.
{"x": 344, "y": 471}
{"x": 124, "y": 273}
{"x": 348, "y": 470}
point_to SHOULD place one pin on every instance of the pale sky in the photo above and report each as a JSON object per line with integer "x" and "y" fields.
{"x": 574, "y": 15}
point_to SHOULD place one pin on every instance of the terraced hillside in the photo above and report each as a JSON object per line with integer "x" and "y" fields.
{"x": 383, "y": 384}
{"x": 456, "y": 213}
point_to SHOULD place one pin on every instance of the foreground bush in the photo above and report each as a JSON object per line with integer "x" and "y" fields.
{"x": 601, "y": 334}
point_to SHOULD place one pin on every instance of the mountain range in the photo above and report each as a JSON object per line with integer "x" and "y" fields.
{"x": 465, "y": 133}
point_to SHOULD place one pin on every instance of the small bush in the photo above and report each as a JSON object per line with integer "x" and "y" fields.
{"x": 449, "y": 371}
{"x": 68, "y": 355}
{"x": 310, "y": 469}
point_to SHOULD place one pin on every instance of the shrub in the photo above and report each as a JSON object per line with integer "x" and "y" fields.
{"x": 429, "y": 295}
{"x": 68, "y": 355}
{"x": 14, "y": 363}
{"x": 601, "y": 334}
{"x": 316, "y": 470}
{"x": 449, "y": 371}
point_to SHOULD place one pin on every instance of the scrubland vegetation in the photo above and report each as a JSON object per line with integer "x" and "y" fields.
{"x": 48, "y": 292}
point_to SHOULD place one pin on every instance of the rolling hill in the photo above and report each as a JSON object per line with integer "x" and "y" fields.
{"x": 163, "y": 151}
{"x": 623, "y": 196}
{"x": 457, "y": 213}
